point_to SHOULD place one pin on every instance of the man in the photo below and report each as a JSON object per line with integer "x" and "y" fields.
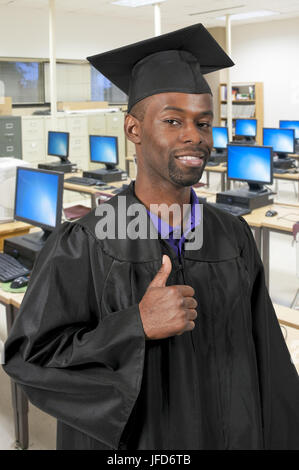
{"x": 129, "y": 354}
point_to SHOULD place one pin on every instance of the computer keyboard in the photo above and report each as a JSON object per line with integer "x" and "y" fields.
{"x": 84, "y": 181}
{"x": 280, "y": 170}
{"x": 10, "y": 268}
{"x": 212, "y": 163}
{"x": 233, "y": 210}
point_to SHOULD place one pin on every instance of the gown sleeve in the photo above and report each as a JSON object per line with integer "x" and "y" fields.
{"x": 278, "y": 378}
{"x": 72, "y": 361}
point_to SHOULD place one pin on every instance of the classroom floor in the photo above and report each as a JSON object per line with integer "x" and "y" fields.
{"x": 283, "y": 287}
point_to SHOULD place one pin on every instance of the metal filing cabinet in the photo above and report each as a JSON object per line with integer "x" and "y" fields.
{"x": 115, "y": 126}
{"x": 10, "y": 136}
{"x": 33, "y": 139}
{"x": 77, "y": 126}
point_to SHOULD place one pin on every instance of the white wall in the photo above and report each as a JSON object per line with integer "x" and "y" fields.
{"x": 269, "y": 52}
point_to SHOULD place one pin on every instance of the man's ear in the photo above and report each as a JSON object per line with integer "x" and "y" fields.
{"x": 132, "y": 129}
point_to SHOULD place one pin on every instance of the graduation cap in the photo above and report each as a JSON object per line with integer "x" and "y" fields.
{"x": 172, "y": 62}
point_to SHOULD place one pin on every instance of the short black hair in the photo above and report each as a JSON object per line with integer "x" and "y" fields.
{"x": 139, "y": 109}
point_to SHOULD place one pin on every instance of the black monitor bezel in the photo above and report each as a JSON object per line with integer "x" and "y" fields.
{"x": 220, "y": 127}
{"x": 251, "y": 147}
{"x": 289, "y": 120}
{"x": 246, "y": 119}
{"x": 117, "y": 153}
{"x": 62, "y": 157}
{"x": 278, "y": 129}
{"x": 59, "y": 199}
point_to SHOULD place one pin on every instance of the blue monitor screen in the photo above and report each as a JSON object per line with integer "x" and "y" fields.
{"x": 282, "y": 140}
{"x": 58, "y": 144}
{"x": 246, "y": 127}
{"x": 220, "y": 137}
{"x": 249, "y": 163}
{"x": 290, "y": 125}
{"x": 103, "y": 149}
{"x": 38, "y": 194}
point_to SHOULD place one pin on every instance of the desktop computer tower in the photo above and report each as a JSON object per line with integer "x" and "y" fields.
{"x": 284, "y": 163}
{"x": 107, "y": 176}
{"x": 244, "y": 198}
{"x": 218, "y": 158}
{"x": 62, "y": 167}
{"x": 22, "y": 249}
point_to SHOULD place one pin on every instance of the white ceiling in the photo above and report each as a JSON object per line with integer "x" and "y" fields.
{"x": 174, "y": 13}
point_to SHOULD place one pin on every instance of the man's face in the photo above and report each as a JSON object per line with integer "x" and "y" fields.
{"x": 176, "y": 137}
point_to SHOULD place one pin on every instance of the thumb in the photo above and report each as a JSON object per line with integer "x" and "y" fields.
{"x": 163, "y": 273}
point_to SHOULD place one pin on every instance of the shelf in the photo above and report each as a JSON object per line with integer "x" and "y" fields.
{"x": 239, "y": 101}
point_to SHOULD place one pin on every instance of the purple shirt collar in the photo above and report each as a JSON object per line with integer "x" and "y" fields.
{"x": 173, "y": 234}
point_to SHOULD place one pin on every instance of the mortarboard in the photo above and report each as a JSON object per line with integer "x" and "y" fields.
{"x": 172, "y": 62}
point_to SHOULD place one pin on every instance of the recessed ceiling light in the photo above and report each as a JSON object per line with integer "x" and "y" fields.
{"x": 250, "y": 14}
{"x": 136, "y": 3}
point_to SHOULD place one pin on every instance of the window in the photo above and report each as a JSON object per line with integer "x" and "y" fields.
{"x": 23, "y": 81}
{"x": 103, "y": 90}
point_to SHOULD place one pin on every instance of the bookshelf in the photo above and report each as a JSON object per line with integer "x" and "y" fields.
{"x": 247, "y": 102}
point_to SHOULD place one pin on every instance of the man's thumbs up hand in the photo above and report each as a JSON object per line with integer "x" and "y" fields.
{"x": 167, "y": 311}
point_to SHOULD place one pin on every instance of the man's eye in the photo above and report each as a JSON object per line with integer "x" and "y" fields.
{"x": 204, "y": 124}
{"x": 172, "y": 122}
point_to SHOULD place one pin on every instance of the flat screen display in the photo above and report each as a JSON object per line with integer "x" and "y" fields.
{"x": 250, "y": 163}
{"x": 220, "y": 137}
{"x": 290, "y": 125}
{"x": 103, "y": 149}
{"x": 281, "y": 140}
{"x": 58, "y": 144}
{"x": 39, "y": 197}
{"x": 246, "y": 127}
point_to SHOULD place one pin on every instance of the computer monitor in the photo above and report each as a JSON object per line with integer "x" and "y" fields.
{"x": 290, "y": 125}
{"x": 281, "y": 140}
{"x": 246, "y": 128}
{"x": 104, "y": 149}
{"x": 220, "y": 138}
{"x": 38, "y": 200}
{"x": 58, "y": 145}
{"x": 253, "y": 164}
{"x": 8, "y": 186}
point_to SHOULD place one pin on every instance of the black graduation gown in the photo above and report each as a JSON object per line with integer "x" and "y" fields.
{"x": 78, "y": 349}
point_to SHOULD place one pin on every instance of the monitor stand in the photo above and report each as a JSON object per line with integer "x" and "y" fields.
{"x": 64, "y": 166}
{"x": 257, "y": 188}
{"x": 26, "y": 248}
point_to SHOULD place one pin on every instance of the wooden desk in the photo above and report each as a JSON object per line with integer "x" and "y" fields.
{"x": 12, "y": 304}
{"x": 12, "y": 229}
{"x": 95, "y": 192}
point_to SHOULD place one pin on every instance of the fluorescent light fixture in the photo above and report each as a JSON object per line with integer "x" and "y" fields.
{"x": 251, "y": 14}
{"x": 136, "y": 3}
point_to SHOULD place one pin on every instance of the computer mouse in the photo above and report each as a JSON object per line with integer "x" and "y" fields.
{"x": 271, "y": 213}
{"x": 19, "y": 282}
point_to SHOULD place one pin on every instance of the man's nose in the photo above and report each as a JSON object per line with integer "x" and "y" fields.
{"x": 191, "y": 133}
